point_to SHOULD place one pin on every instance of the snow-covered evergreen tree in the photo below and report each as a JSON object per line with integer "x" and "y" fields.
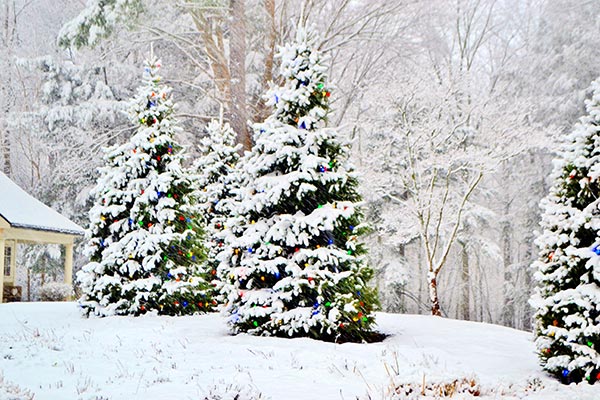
{"x": 294, "y": 264}
{"x": 216, "y": 177}
{"x": 567, "y": 321}
{"x": 145, "y": 242}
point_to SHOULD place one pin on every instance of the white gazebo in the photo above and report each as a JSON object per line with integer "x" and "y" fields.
{"x": 24, "y": 219}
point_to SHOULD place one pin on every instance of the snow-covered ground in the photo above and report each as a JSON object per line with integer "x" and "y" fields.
{"x": 48, "y": 352}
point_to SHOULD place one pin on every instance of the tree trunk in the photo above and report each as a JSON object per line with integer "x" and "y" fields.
{"x": 28, "y": 284}
{"x": 466, "y": 301}
{"x": 420, "y": 277}
{"x": 402, "y": 296}
{"x": 6, "y": 165}
{"x": 433, "y": 295}
{"x": 508, "y": 310}
{"x": 261, "y": 111}
{"x": 238, "y": 114}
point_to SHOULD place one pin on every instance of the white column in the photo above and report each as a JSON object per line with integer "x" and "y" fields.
{"x": 69, "y": 263}
{"x": 1, "y": 266}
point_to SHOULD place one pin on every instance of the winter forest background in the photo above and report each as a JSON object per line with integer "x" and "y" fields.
{"x": 453, "y": 109}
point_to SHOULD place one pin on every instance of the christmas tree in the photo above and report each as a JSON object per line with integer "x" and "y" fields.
{"x": 216, "y": 177}
{"x": 294, "y": 265}
{"x": 145, "y": 243}
{"x": 567, "y": 321}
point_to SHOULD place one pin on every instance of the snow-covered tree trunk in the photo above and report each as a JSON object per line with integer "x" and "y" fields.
{"x": 465, "y": 284}
{"x": 434, "y": 298}
{"x": 238, "y": 113}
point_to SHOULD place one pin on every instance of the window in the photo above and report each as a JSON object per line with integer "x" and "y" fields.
{"x": 7, "y": 260}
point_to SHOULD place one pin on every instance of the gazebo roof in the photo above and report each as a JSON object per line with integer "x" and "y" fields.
{"x": 21, "y": 210}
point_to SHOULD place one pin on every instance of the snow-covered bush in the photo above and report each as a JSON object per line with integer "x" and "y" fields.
{"x": 56, "y": 291}
{"x": 10, "y": 391}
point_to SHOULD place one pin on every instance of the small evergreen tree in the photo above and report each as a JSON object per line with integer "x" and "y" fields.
{"x": 216, "y": 177}
{"x": 144, "y": 241}
{"x": 294, "y": 264}
{"x": 567, "y": 320}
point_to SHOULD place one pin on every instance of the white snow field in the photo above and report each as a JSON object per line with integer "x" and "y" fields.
{"x": 49, "y": 352}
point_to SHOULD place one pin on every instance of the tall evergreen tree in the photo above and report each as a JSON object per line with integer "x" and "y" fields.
{"x": 217, "y": 176}
{"x": 294, "y": 264}
{"x": 145, "y": 242}
{"x": 567, "y": 321}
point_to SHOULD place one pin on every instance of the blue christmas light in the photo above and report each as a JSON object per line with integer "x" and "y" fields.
{"x": 169, "y": 275}
{"x": 315, "y": 312}
{"x": 193, "y": 258}
{"x": 330, "y": 241}
{"x": 302, "y": 125}
{"x": 277, "y": 274}
{"x": 596, "y": 249}
{"x": 565, "y": 372}
{"x": 351, "y": 227}
{"x": 316, "y": 305}
{"x": 185, "y": 303}
{"x": 358, "y": 293}
{"x": 250, "y": 249}
{"x": 276, "y": 99}
{"x": 321, "y": 168}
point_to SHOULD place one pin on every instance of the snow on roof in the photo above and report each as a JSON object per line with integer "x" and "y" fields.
{"x": 21, "y": 210}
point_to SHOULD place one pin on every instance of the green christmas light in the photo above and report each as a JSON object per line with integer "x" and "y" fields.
{"x": 255, "y": 323}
